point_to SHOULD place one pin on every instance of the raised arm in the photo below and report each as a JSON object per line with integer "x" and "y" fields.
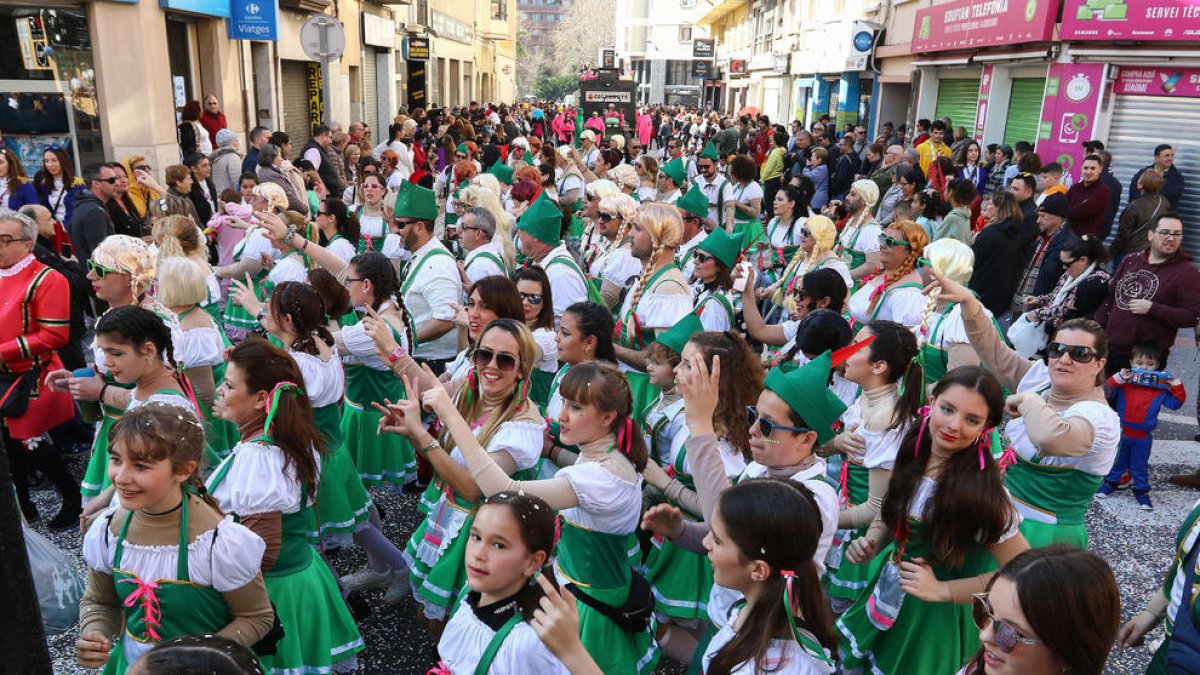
{"x": 1004, "y": 362}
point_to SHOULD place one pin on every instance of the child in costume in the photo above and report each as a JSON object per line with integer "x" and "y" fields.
{"x": 164, "y": 561}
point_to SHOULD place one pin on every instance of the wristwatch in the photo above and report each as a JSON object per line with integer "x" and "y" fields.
{"x": 396, "y": 354}
{"x": 429, "y": 447}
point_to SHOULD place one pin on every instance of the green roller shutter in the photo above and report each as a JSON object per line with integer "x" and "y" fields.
{"x": 1024, "y": 110}
{"x": 957, "y": 100}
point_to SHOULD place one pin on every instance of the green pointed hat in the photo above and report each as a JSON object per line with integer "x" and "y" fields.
{"x": 414, "y": 201}
{"x": 502, "y": 172}
{"x": 542, "y": 220}
{"x": 462, "y": 147}
{"x": 676, "y": 170}
{"x": 710, "y": 152}
{"x": 694, "y": 202}
{"x": 806, "y": 391}
{"x": 678, "y": 335}
{"x": 724, "y": 246}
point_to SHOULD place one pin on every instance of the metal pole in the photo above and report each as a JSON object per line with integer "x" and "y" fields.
{"x": 325, "y": 78}
{"x": 22, "y": 638}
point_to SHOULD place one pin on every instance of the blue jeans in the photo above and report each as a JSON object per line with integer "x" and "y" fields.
{"x": 1133, "y": 456}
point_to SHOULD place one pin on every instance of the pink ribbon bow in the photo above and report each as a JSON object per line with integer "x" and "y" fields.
{"x": 145, "y": 594}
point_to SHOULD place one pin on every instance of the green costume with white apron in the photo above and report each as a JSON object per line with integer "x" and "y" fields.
{"x": 850, "y": 252}
{"x": 220, "y": 434}
{"x": 177, "y": 606}
{"x": 631, "y": 334}
{"x": 343, "y": 503}
{"x": 235, "y": 315}
{"x": 751, "y": 229}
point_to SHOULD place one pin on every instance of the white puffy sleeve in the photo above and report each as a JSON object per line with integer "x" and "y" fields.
{"x": 663, "y": 311}
{"x": 236, "y": 554}
{"x": 521, "y": 439}
{"x": 621, "y": 268}
{"x": 905, "y": 306}
{"x": 98, "y": 545}
{"x": 546, "y": 342}
{"x": 342, "y": 249}
{"x": 290, "y": 268}
{"x": 258, "y": 482}
{"x": 598, "y": 490}
{"x": 1106, "y": 425}
{"x": 200, "y": 347}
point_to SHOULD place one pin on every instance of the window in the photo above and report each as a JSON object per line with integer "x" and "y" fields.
{"x": 500, "y": 9}
{"x": 764, "y": 25}
{"x": 679, "y": 72}
{"x": 685, "y": 33}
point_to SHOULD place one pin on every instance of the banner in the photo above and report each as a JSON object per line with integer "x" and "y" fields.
{"x": 316, "y": 109}
{"x": 963, "y": 24}
{"x": 253, "y": 20}
{"x": 985, "y": 92}
{"x": 1174, "y": 82}
{"x": 416, "y": 48}
{"x": 416, "y": 84}
{"x": 1069, "y": 111}
{"x": 702, "y": 69}
{"x": 703, "y": 48}
{"x": 1131, "y": 20}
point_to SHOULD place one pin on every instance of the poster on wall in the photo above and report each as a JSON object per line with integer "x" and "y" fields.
{"x": 1173, "y": 82}
{"x": 1069, "y": 111}
{"x": 316, "y": 108}
{"x": 981, "y": 109}
{"x": 1131, "y": 20}
{"x": 29, "y": 149}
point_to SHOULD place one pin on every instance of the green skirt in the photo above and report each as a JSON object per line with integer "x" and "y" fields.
{"x": 343, "y": 504}
{"x": 438, "y": 579}
{"x": 751, "y": 232}
{"x": 681, "y": 580}
{"x": 614, "y": 650}
{"x": 318, "y": 628}
{"x": 540, "y": 392}
{"x": 1045, "y": 534}
{"x": 379, "y": 458}
{"x": 643, "y": 392}
{"x": 95, "y": 478}
{"x": 235, "y": 316}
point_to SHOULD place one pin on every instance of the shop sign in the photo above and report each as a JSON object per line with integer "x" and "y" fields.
{"x": 965, "y": 24}
{"x": 1069, "y": 110}
{"x": 608, "y": 58}
{"x": 1131, "y": 20}
{"x": 416, "y": 83}
{"x": 862, "y": 41}
{"x": 985, "y": 92}
{"x": 416, "y": 48}
{"x": 217, "y": 8}
{"x": 737, "y": 67}
{"x": 378, "y": 31}
{"x": 702, "y": 69}
{"x": 1174, "y": 82}
{"x": 703, "y": 48}
{"x": 446, "y": 26}
{"x": 253, "y": 20}
{"x": 316, "y": 108}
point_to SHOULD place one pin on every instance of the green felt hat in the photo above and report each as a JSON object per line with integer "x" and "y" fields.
{"x": 694, "y": 202}
{"x": 462, "y": 147}
{"x": 676, "y": 170}
{"x": 806, "y": 390}
{"x": 724, "y": 246}
{"x": 710, "y": 152}
{"x": 502, "y": 172}
{"x": 414, "y": 201}
{"x": 542, "y": 220}
{"x": 678, "y": 335}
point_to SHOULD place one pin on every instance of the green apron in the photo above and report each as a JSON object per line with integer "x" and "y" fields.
{"x": 853, "y": 257}
{"x": 632, "y": 336}
{"x": 681, "y": 579}
{"x": 235, "y": 315}
{"x": 95, "y": 478}
{"x": 751, "y": 229}
{"x": 369, "y": 243}
{"x": 1053, "y": 501}
{"x": 162, "y": 609}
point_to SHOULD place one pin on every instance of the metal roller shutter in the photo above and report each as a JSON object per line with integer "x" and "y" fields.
{"x": 1024, "y": 110}
{"x": 294, "y": 75}
{"x": 957, "y": 99}
{"x": 1138, "y": 124}
{"x": 370, "y": 86}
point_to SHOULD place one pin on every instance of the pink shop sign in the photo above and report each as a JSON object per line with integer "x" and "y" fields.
{"x": 966, "y": 24}
{"x": 1173, "y": 82}
{"x": 1131, "y": 20}
{"x": 1069, "y": 110}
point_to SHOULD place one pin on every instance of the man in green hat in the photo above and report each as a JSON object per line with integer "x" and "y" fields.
{"x": 693, "y": 206}
{"x": 715, "y": 302}
{"x": 671, "y": 177}
{"x": 430, "y": 281}
{"x": 539, "y": 230}
{"x": 713, "y": 185}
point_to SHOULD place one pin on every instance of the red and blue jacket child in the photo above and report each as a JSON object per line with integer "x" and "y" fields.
{"x": 1138, "y": 397}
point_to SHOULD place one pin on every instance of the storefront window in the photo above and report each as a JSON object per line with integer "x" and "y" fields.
{"x": 50, "y": 98}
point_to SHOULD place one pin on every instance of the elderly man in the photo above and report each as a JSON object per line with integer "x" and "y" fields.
{"x": 212, "y": 119}
{"x": 430, "y": 281}
{"x": 1045, "y": 267}
{"x": 34, "y": 324}
{"x": 882, "y": 175}
{"x": 485, "y": 258}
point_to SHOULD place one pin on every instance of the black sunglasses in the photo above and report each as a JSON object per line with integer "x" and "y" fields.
{"x": 701, "y": 258}
{"x": 805, "y": 232}
{"x": 765, "y": 426}
{"x": 605, "y": 217}
{"x": 1078, "y": 353}
{"x": 532, "y": 298}
{"x": 1003, "y": 634}
{"x": 482, "y": 358}
{"x": 110, "y": 181}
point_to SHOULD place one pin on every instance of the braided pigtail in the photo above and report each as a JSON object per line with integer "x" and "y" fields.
{"x": 645, "y": 278}
{"x": 776, "y": 289}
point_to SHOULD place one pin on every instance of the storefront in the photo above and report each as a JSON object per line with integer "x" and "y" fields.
{"x": 834, "y": 77}
{"x": 378, "y": 82}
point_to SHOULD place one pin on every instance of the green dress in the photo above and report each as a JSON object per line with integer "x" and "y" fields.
{"x": 923, "y": 637}
{"x": 844, "y": 581}
{"x": 184, "y": 608}
{"x": 318, "y": 629}
{"x": 343, "y": 504}
{"x": 380, "y": 458}
{"x": 751, "y": 229}
{"x": 662, "y": 312}
{"x": 220, "y": 434}
{"x": 235, "y": 316}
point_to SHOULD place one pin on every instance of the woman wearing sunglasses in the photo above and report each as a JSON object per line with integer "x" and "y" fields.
{"x": 493, "y": 397}
{"x": 1064, "y": 433}
{"x": 713, "y": 261}
{"x": 945, "y": 523}
{"x": 817, "y": 251}
{"x": 534, "y": 288}
{"x": 895, "y": 293}
{"x": 1049, "y": 610}
{"x": 614, "y": 268}
{"x": 490, "y": 298}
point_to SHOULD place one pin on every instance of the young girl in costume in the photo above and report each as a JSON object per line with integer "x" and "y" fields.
{"x": 889, "y": 375}
{"x": 494, "y": 397}
{"x": 663, "y": 420}
{"x": 946, "y": 521}
{"x": 534, "y": 288}
{"x": 715, "y": 303}
{"x": 600, "y": 502}
{"x": 895, "y": 294}
{"x": 942, "y": 334}
{"x": 269, "y": 481}
{"x": 372, "y": 214}
{"x": 508, "y": 548}
{"x": 164, "y": 561}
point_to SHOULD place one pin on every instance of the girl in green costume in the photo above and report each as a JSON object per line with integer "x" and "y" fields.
{"x": 269, "y": 482}
{"x": 599, "y": 498}
{"x": 744, "y": 208}
{"x": 1064, "y": 436}
{"x": 157, "y": 568}
{"x": 946, "y": 520}
{"x": 785, "y": 233}
{"x": 372, "y": 216}
{"x": 494, "y": 396}
{"x": 534, "y": 288}
{"x": 943, "y": 337}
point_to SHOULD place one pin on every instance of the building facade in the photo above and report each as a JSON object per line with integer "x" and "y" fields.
{"x": 655, "y": 43}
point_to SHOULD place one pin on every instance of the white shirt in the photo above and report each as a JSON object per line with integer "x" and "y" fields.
{"x": 479, "y": 265}
{"x": 429, "y": 295}
{"x": 718, "y": 191}
{"x": 569, "y": 286}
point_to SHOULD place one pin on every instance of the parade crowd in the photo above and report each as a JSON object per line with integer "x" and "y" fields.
{"x": 752, "y": 397}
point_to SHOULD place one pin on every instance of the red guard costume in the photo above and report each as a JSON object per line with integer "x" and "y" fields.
{"x": 35, "y": 311}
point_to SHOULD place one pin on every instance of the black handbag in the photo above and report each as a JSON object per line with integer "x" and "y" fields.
{"x": 15, "y": 391}
{"x": 634, "y": 615}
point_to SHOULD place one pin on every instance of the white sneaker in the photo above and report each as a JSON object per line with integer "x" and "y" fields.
{"x": 367, "y": 579}
{"x": 398, "y": 589}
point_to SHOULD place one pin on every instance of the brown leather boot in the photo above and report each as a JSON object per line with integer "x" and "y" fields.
{"x": 1191, "y": 480}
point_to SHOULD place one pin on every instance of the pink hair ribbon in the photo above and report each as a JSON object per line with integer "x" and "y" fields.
{"x": 923, "y": 413}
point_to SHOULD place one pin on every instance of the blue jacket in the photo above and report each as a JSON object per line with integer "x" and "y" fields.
{"x": 25, "y": 193}
{"x": 68, "y": 200}
{"x": 820, "y": 178}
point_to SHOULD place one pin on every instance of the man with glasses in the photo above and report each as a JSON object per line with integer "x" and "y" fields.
{"x": 35, "y": 313}
{"x": 1152, "y": 295}
{"x": 671, "y": 177}
{"x": 1045, "y": 266}
{"x": 540, "y": 232}
{"x": 430, "y": 281}
{"x": 712, "y": 185}
{"x": 695, "y": 209}
{"x": 485, "y": 257}
{"x": 90, "y": 222}
{"x": 212, "y": 119}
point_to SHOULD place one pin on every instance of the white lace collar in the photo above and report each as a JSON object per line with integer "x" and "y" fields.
{"x": 18, "y": 268}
